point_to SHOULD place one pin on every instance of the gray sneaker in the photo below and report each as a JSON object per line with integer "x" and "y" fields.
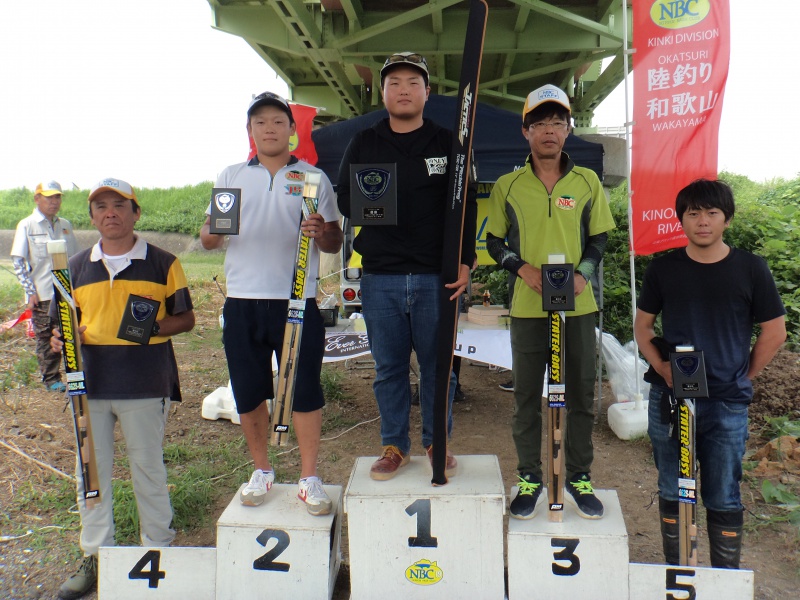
{"x": 82, "y": 582}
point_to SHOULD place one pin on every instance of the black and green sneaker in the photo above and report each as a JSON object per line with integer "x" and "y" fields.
{"x": 529, "y": 489}
{"x": 582, "y": 495}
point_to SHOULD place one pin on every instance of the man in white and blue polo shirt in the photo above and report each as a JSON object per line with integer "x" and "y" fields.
{"x": 259, "y": 265}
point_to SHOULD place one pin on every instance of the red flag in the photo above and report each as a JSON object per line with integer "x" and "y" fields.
{"x": 24, "y": 317}
{"x": 300, "y": 144}
{"x": 680, "y": 66}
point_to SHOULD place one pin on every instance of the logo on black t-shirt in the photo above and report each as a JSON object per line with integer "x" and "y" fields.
{"x": 436, "y": 166}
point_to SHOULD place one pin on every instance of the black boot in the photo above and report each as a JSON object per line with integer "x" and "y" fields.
{"x": 725, "y": 538}
{"x": 668, "y": 510}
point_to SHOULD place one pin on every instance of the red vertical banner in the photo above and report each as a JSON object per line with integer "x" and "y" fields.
{"x": 681, "y": 66}
{"x": 300, "y": 144}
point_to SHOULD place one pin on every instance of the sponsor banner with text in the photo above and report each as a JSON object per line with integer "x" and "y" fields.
{"x": 343, "y": 346}
{"x": 681, "y": 66}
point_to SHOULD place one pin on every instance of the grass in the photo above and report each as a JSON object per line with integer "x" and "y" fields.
{"x": 198, "y": 475}
{"x": 202, "y": 267}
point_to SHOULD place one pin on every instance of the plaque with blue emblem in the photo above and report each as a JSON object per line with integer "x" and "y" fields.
{"x": 138, "y": 319}
{"x": 225, "y": 208}
{"x": 688, "y": 374}
{"x": 373, "y": 194}
{"x": 558, "y": 287}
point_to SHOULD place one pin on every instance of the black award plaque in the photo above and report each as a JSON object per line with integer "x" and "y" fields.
{"x": 688, "y": 373}
{"x": 558, "y": 287}
{"x": 373, "y": 194}
{"x": 138, "y": 319}
{"x": 225, "y": 207}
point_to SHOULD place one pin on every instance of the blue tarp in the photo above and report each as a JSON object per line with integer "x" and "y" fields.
{"x": 498, "y": 144}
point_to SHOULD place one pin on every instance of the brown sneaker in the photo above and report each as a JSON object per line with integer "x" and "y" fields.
{"x": 387, "y": 465}
{"x": 450, "y": 467}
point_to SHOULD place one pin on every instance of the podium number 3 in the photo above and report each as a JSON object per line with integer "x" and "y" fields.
{"x": 267, "y": 561}
{"x": 153, "y": 558}
{"x": 423, "y": 539}
{"x": 567, "y": 554}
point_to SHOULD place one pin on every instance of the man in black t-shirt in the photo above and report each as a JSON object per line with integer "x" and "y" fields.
{"x": 709, "y": 295}
{"x": 401, "y": 284}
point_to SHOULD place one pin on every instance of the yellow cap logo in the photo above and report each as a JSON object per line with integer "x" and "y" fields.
{"x": 424, "y": 572}
{"x": 677, "y": 14}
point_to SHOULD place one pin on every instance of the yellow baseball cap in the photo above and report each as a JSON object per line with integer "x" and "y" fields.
{"x": 123, "y": 188}
{"x": 546, "y": 93}
{"x": 51, "y": 188}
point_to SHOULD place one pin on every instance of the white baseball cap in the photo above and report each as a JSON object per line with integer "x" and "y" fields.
{"x": 544, "y": 94}
{"x": 123, "y": 188}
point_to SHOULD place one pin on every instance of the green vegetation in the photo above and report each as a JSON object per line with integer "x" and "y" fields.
{"x": 767, "y": 223}
{"x": 173, "y": 210}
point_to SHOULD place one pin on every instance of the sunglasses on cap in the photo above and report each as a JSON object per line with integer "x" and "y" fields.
{"x": 414, "y": 59}
{"x": 268, "y": 96}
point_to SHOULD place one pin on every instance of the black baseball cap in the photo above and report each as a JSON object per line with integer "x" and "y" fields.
{"x": 270, "y": 99}
{"x": 409, "y": 59}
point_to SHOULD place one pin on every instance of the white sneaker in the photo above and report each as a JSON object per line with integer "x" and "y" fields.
{"x": 313, "y": 494}
{"x": 258, "y": 486}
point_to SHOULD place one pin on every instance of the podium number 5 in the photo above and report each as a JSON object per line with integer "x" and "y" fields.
{"x": 675, "y": 586}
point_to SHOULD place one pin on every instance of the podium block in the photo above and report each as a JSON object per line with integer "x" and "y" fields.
{"x": 572, "y": 558}
{"x": 657, "y": 582}
{"x": 410, "y": 540}
{"x": 130, "y": 573}
{"x": 278, "y": 548}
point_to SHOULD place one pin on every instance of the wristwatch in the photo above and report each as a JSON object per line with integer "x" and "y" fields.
{"x": 156, "y": 329}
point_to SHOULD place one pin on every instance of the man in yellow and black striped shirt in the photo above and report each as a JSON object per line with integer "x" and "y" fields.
{"x": 125, "y": 381}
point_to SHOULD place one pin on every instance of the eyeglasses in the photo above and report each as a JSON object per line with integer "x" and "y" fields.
{"x": 415, "y": 59}
{"x": 543, "y": 125}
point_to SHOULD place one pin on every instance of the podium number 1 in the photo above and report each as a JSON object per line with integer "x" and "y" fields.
{"x": 423, "y": 539}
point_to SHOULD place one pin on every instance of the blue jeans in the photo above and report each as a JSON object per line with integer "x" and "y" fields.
{"x": 721, "y": 434}
{"x": 402, "y": 314}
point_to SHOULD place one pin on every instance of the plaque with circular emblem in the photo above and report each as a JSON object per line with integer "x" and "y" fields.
{"x": 373, "y": 194}
{"x": 138, "y": 319}
{"x": 225, "y": 209}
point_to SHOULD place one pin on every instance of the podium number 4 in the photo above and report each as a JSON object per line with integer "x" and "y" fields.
{"x": 153, "y": 558}
{"x": 423, "y": 539}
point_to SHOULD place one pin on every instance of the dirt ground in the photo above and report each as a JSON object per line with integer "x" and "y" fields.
{"x": 33, "y": 421}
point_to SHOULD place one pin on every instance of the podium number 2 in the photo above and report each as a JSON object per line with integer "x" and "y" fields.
{"x": 423, "y": 539}
{"x": 153, "y": 557}
{"x": 567, "y": 554}
{"x": 267, "y": 561}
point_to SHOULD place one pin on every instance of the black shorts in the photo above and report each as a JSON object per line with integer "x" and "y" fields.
{"x": 253, "y": 330}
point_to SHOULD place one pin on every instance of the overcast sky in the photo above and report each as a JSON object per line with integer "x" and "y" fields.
{"x": 147, "y": 91}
